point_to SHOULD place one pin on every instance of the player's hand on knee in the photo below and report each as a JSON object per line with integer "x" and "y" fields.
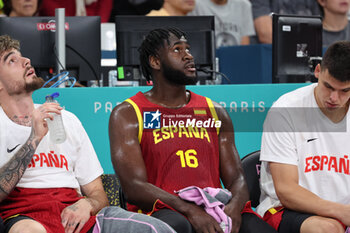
{"x": 202, "y": 222}
{"x": 236, "y": 224}
{"x": 75, "y": 216}
{"x": 235, "y": 214}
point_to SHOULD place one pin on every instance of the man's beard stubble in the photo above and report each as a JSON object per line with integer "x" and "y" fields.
{"x": 177, "y": 77}
{"x": 36, "y": 84}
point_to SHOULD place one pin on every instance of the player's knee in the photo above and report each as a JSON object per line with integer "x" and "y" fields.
{"x": 27, "y": 226}
{"x": 174, "y": 219}
{"x": 330, "y": 226}
{"x": 182, "y": 225}
{"x": 179, "y": 223}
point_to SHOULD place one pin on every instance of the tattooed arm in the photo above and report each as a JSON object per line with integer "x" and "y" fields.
{"x": 75, "y": 216}
{"x": 13, "y": 170}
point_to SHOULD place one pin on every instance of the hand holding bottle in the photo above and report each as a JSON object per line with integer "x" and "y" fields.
{"x": 55, "y": 123}
{"x": 40, "y": 116}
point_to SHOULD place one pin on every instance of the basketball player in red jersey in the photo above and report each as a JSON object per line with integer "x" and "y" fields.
{"x": 170, "y": 138}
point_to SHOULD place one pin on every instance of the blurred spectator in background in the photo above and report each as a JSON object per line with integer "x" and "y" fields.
{"x": 134, "y": 7}
{"x": 233, "y": 20}
{"x": 263, "y": 8}
{"x": 174, "y": 8}
{"x": 21, "y": 8}
{"x": 100, "y": 8}
{"x": 335, "y": 20}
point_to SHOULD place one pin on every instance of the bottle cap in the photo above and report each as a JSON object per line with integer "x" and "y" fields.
{"x": 53, "y": 95}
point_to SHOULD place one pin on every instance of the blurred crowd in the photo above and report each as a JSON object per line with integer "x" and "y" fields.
{"x": 237, "y": 22}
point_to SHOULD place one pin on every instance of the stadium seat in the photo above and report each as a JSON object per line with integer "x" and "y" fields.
{"x": 251, "y": 166}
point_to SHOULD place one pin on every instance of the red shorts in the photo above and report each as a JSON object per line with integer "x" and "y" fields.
{"x": 274, "y": 217}
{"x": 42, "y": 205}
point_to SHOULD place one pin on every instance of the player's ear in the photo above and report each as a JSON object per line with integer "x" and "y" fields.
{"x": 317, "y": 71}
{"x": 322, "y": 2}
{"x": 154, "y": 62}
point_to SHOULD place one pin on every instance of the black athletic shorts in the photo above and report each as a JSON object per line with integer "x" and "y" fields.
{"x": 291, "y": 221}
{"x": 11, "y": 221}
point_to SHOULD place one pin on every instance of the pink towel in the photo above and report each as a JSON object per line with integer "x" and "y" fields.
{"x": 213, "y": 201}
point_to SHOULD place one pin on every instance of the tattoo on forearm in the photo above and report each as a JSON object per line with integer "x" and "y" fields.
{"x": 73, "y": 207}
{"x": 13, "y": 170}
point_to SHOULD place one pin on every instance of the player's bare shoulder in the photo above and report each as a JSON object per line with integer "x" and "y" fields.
{"x": 221, "y": 111}
{"x": 224, "y": 117}
{"x": 123, "y": 115}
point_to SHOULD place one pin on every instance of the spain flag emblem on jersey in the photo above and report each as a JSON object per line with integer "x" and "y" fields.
{"x": 201, "y": 112}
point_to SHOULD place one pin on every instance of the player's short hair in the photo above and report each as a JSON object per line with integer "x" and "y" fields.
{"x": 337, "y": 61}
{"x": 151, "y": 45}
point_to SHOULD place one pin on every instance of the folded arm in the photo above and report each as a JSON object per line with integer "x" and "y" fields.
{"x": 262, "y": 21}
{"x": 263, "y": 28}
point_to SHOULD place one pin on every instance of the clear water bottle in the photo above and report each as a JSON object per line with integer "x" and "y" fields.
{"x": 56, "y": 127}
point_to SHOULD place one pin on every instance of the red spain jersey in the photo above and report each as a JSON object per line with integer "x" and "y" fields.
{"x": 179, "y": 146}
